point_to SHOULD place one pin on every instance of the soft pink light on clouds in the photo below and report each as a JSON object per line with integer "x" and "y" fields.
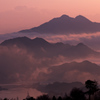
{"x": 77, "y": 37}
{"x": 16, "y": 15}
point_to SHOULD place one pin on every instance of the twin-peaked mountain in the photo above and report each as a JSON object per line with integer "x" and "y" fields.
{"x": 42, "y": 48}
{"x": 66, "y": 25}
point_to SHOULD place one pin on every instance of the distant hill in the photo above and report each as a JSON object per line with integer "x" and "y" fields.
{"x": 66, "y": 25}
{"x": 42, "y": 48}
{"x": 73, "y": 71}
{"x": 85, "y": 66}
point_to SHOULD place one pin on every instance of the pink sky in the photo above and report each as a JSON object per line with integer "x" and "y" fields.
{"x": 16, "y": 15}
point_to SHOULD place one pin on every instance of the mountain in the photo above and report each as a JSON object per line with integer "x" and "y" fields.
{"x": 66, "y": 25}
{"x": 25, "y": 42}
{"x": 73, "y": 71}
{"x": 85, "y": 66}
{"x": 57, "y": 88}
{"x": 42, "y": 48}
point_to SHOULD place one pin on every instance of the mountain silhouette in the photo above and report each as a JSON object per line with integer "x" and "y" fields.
{"x": 66, "y": 25}
{"x": 83, "y": 19}
{"x": 25, "y": 42}
{"x": 42, "y": 48}
{"x": 84, "y": 66}
{"x": 73, "y": 71}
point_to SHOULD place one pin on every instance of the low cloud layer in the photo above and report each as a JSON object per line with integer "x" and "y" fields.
{"x": 92, "y": 40}
{"x": 19, "y": 66}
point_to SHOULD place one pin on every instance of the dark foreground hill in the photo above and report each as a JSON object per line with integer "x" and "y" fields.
{"x": 66, "y": 25}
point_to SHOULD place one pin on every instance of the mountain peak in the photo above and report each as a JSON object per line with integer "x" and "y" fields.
{"x": 40, "y": 40}
{"x": 22, "y": 38}
{"x": 64, "y": 16}
{"x": 16, "y": 40}
{"x": 81, "y": 44}
{"x": 61, "y": 18}
{"x": 86, "y": 61}
{"x": 79, "y": 16}
{"x": 82, "y": 18}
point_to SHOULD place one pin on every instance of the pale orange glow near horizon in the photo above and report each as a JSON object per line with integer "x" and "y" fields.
{"x": 16, "y": 15}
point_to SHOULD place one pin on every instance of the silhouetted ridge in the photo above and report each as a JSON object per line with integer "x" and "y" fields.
{"x": 82, "y": 18}
{"x": 39, "y": 40}
{"x": 83, "y": 46}
{"x": 80, "y": 44}
{"x": 88, "y": 62}
{"x": 41, "y": 47}
{"x": 61, "y": 44}
{"x": 85, "y": 66}
{"x": 17, "y": 40}
{"x": 25, "y": 41}
{"x": 64, "y": 16}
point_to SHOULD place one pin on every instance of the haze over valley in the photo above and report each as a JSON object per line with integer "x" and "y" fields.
{"x": 51, "y": 57}
{"x": 37, "y": 60}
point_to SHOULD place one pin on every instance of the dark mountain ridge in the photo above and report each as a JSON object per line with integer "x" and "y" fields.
{"x": 66, "y": 25}
{"x": 85, "y": 66}
{"x": 74, "y": 71}
{"x": 43, "y": 48}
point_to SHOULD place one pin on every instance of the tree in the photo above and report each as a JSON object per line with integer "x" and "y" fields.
{"x": 59, "y": 98}
{"x": 6, "y": 99}
{"x": 77, "y": 94}
{"x": 54, "y": 98}
{"x": 92, "y": 87}
{"x": 31, "y": 98}
{"x": 66, "y": 97}
{"x": 43, "y": 97}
